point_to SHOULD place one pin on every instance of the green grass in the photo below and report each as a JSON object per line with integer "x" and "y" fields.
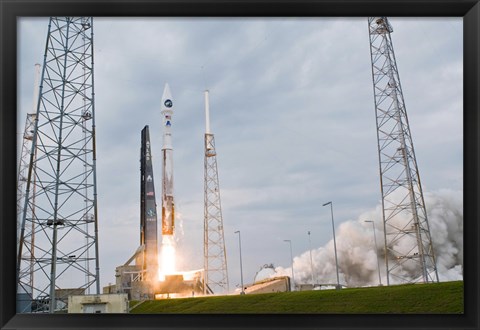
{"x": 435, "y": 298}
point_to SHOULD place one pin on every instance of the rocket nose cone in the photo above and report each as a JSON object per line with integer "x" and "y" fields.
{"x": 167, "y": 102}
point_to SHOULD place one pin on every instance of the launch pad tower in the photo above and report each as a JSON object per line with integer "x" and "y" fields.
{"x": 215, "y": 259}
{"x": 58, "y": 250}
{"x": 409, "y": 254}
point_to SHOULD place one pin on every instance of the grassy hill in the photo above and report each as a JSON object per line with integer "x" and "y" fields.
{"x": 435, "y": 298}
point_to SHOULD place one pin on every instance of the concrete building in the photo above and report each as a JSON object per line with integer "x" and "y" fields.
{"x": 98, "y": 303}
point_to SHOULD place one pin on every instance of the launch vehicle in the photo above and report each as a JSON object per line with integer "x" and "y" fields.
{"x": 148, "y": 216}
{"x": 148, "y": 209}
{"x": 168, "y": 205}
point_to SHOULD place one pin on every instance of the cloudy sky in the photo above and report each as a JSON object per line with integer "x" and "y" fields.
{"x": 292, "y": 110}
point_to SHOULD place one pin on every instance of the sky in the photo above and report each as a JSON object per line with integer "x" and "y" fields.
{"x": 292, "y": 111}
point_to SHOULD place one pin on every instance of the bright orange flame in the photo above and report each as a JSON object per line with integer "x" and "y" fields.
{"x": 167, "y": 258}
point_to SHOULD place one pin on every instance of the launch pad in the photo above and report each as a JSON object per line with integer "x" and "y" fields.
{"x": 186, "y": 284}
{"x": 148, "y": 274}
{"x": 181, "y": 285}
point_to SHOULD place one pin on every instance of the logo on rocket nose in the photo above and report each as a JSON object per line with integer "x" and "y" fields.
{"x": 168, "y": 103}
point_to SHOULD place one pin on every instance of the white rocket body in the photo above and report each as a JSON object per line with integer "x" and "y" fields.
{"x": 168, "y": 206}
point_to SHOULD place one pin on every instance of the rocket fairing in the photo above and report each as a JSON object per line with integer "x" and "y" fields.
{"x": 168, "y": 205}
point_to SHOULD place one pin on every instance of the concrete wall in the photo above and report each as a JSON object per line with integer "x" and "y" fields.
{"x": 140, "y": 290}
{"x": 125, "y": 277}
{"x": 277, "y": 284}
{"x": 305, "y": 287}
{"x": 112, "y": 288}
{"x": 98, "y": 303}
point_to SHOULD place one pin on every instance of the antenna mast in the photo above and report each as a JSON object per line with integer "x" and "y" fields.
{"x": 409, "y": 254}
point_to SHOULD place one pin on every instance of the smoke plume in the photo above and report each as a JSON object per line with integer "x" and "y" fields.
{"x": 357, "y": 260}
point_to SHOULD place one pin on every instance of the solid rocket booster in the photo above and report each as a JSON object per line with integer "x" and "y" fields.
{"x": 168, "y": 206}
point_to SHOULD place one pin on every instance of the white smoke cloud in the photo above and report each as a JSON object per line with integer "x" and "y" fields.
{"x": 357, "y": 260}
{"x": 445, "y": 210}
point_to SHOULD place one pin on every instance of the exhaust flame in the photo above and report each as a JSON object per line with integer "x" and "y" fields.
{"x": 167, "y": 258}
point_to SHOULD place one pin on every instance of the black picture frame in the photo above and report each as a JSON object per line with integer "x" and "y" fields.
{"x": 10, "y": 10}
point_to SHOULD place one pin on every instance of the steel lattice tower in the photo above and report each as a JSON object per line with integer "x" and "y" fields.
{"x": 215, "y": 259}
{"x": 23, "y": 165}
{"x": 27, "y": 138}
{"x": 21, "y": 182}
{"x": 409, "y": 254}
{"x": 58, "y": 238}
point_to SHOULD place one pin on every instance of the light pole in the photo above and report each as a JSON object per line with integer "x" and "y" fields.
{"x": 376, "y": 250}
{"x": 311, "y": 259}
{"x": 241, "y": 270}
{"x": 334, "y": 243}
{"x": 291, "y": 257}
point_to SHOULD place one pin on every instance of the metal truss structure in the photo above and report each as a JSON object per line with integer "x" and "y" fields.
{"x": 215, "y": 259}
{"x": 23, "y": 165}
{"x": 27, "y": 138}
{"x": 58, "y": 243}
{"x": 409, "y": 254}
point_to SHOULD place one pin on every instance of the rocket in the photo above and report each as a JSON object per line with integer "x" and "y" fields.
{"x": 168, "y": 205}
{"x": 148, "y": 208}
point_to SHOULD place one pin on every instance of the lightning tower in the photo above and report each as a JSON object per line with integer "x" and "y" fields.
{"x": 25, "y": 151}
{"x": 58, "y": 250}
{"x": 27, "y": 138}
{"x": 215, "y": 259}
{"x": 21, "y": 182}
{"x": 409, "y": 254}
